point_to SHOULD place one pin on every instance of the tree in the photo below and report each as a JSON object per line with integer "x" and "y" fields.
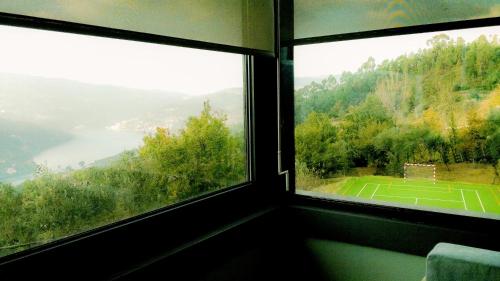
{"x": 492, "y": 145}
{"x": 204, "y": 156}
{"x": 314, "y": 140}
{"x": 368, "y": 66}
{"x": 361, "y": 125}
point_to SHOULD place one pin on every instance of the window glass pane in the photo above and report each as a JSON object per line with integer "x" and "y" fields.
{"x": 411, "y": 120}
{"x": 330, "y": 17}
{"x": 242, "y": 23}
{"x": 94, "y": 130}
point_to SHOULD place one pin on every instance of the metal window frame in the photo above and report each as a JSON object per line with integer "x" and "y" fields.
{"x": 108, "y": 32}
{"x": 477, "y": 226}
{"x": 205, "y": 213}
{"x": 136, "y": 241}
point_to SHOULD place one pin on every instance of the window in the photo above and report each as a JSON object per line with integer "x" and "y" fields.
{"x": 411, "y": 120}
{"x": 95, "y": 130}
{"x": 327, "y": 17}
{"x": 239, "y": 23}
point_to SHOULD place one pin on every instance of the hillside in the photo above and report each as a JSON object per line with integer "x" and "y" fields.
{"x": 64, "y": 120}
{"x": 19, "y": 142}
{"x": 439, "y": 105}
{"x": 67, "y": 104}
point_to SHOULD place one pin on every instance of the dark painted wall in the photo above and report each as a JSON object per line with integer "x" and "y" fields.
{"x": 310, "y": 243}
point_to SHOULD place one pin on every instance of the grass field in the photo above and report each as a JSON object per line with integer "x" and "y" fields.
{"x": 474, "y": 197}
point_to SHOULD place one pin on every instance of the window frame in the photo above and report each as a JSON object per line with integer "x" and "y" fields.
{"x": 265, "y": 192}
{"x": 425, "y": 216}
{"x": 205, "y": 213}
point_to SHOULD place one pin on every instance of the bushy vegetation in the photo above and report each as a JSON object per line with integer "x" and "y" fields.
{"x": 168, "y": 168}
{"x": 440, "y": 105}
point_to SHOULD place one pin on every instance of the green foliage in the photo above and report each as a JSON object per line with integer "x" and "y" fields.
{"x": 53, "y": 206}
{"x": 306, "y": 178}
{"x": 492, "y": 144}
{"x": 313, "y": 143}
{"x": 10, "y": 201}
{"x": 333, "y": 97}
{"x": 202, "y": 157}
{"x": 426, "y": 107}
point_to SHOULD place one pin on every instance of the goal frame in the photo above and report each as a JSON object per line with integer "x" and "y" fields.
{"x": 406, "y": 165}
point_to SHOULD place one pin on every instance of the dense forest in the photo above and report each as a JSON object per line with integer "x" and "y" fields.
{"x": 440, "y": 105}
{"x": 167, "y": 168}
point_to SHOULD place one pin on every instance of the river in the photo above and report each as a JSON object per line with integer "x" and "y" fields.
{"x": 88, "y": 146}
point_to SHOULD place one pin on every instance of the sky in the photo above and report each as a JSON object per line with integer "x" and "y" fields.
{"x": 148, "y": 66}
{"x": 335, "y": 58}
{"x": 122, "y": 63}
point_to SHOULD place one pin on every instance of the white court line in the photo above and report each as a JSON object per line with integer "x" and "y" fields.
{"x": 420, "y": 186}
{"x": 445, "y": 189}
{"x": 412, "y": 189}
{"x": 378, "y": 185}
{"x": 463, "y": 199}
{"x": 408, "y": 197}
{"x": 480, "y": 202}
{"x": 357, "y": 195}
{"x": 416, "y": 201}
{"x": 475, "y": 184}
{"x": 435, "y": 187}
{"x": 442, "y": 187}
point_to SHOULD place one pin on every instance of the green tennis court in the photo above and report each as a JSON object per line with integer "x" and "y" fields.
{"x": 482, "y": 198}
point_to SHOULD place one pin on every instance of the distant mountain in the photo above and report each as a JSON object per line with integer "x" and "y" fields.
{"x": 229, "y": 102}
{"x": 38, "y": 114}
{"x": 71, "y": 105}
{"x": 66, "y": 104}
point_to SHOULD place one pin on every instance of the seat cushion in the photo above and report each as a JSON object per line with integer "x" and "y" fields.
{"x": 461, "y": 263}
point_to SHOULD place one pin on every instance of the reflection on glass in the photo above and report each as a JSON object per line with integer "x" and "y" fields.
{"x": 330, "y": 17}
{"x": 95, "y": 130}
{"x": 412, "y": 120}
{"x": 242, "y": 23}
